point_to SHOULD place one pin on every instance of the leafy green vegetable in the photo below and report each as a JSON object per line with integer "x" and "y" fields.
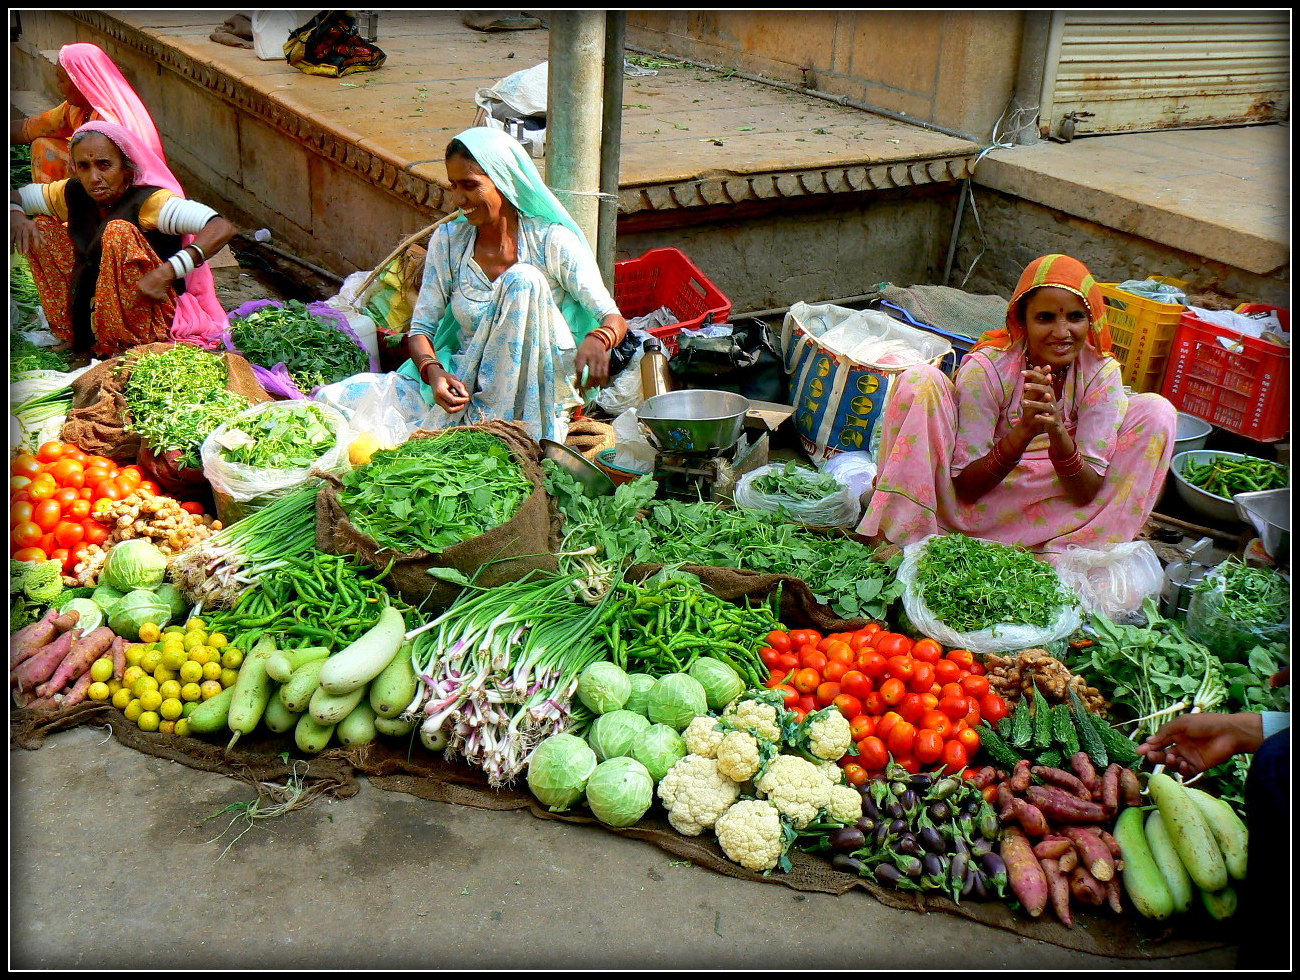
{"x": 313, "y": 349}
{"x": 291, "y": 436}
{"x": 797, "y": 482}
{"x": 25, "y": 301}
{"x": 1236, "y": 606}
{"x": 433, "y": 493}
{"x": 973, "y": 585}
{"x": 20, "y": 165}
{"x": 600, "y": 533}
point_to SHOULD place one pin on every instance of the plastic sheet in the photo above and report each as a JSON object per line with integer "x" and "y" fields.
{"x": 388, "y": 406}
{"x": 1113, "y": 581}
{"x": 839, "y": 509}
{"x": 1214, "y": 618}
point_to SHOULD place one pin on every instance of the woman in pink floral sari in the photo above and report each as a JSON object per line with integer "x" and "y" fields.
{"x": 1035, "y": 442}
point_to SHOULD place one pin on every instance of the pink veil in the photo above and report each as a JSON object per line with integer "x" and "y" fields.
{"x": 101, "y": 82}
{"x": 199, "y": 318}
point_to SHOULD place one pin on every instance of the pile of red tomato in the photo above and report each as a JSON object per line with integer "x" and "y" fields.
{"x": 904, "y": 699}
{"x": 53, "y": 496}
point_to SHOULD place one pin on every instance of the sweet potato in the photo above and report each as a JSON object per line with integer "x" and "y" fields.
{"x": 1095, "y": 855}
{"x": 1130, "y": 787}
{"x": 1024, "y": 873}
{"x": 1113, "y": 896}
{"x": 77, "y": 693}
{"x": 85, "y": 651}
{"x": 1110, "y": 788}
{"x": 31, "y": 638}
{"x": 1066, "y": 780}
{"x": 1058, "y": 888}
{"x": 1058, "y": 805}
{"x": 118, "y": 653}
{"x": 41, "y": 666}
{"x": 1111, "y": 843}
{"x": 1019, "y": 781}
{"x": 1029, "y": 817}
{"x": 1087, "y": 773}
{"x": 1085, "y": 887}
{"x": 1068, "y": 860}
{"x": 984, "y": 777}
{"x": 1052, "y": 847}
{"x": 1004, "y": 798}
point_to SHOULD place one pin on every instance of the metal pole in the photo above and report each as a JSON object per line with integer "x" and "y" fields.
{"x": 611, "y": 143}
{"x": 573, "y": 114}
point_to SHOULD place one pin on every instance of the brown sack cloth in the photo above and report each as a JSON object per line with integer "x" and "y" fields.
{"x": 526, "y": 541}
{"x": 98, "y": 421}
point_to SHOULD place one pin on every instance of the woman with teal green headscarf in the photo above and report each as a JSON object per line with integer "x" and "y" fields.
{"x": 512, "y": 320}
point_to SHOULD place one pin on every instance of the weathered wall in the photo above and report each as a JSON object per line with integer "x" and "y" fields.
{"x": 1016, "y": 231}
{"x": 953, "y": 68}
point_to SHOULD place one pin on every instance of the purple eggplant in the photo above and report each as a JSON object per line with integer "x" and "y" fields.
{"x": 988, "y": 824}
{"x": 908, "y": 844}
{"x": 888, "y": 875}
{"x": 898, "y": 826}
{"x": 944, "y": 788}
{"x": 981, "y": 893}
{"x": 869, "y": 808}
{"x": 844, "y": 862}
{"x": 981, "y": 846}
{"x": 910, "y": 866}
{"x": 968, "y": 883}
{"x": 932, "y": 866}
{"x": 882, "y": 832}
{"x": 939, "y": 812}
{"x": 957, "y": 869}
{"x": 910, "y": 801}
{"x": 895, "y": 810}
{"x": 866, "y": 824}
{"x": 846, "y": 839}
{"x": 932, "y": 840}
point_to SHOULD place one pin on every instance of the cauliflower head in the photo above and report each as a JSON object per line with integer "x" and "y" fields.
{"x": 696, "y": 794}
{"x": 761, "y": 718}
{"x": 702, "y": 737}
{"x": 845, "y": 804}
{"x": 739, "y": 756}
{"x": 751, "y": 835}
{"x": 829, "y": 734}
{"x": 796, "y": 787}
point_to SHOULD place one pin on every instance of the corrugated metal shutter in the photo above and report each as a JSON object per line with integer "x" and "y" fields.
{"x": 1122, "y": 72}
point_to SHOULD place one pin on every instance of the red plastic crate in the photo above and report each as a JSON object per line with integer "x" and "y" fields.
{"x": 1236, "y": 382}
{"x": 666, "y": 277}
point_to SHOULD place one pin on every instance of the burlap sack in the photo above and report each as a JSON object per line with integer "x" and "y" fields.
{"x": 99, "y": 419}
{"x": 506, "y": 553}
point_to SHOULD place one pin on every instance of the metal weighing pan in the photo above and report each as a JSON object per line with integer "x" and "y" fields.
{"x": 694, "y": 420}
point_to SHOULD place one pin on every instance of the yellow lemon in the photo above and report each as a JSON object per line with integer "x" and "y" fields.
{"x": 133, "y": 654}
{"x": 133, "y": 710}
{"x": 228, "y": 677}
{"x": 150, "y": 661}
{"x": 132, "y": 674}
{"x": 217, "y": 640}
{"x": 174, "y": 628}
{"x": 170, "y": 689}
{"x": 98, "y": 691}
{"x": 167, "y": 727}
{"x": 196, "y": 624}
{"x": 150, "y": 700}
{"x": 200, "y": 655}
{"x": 148, "y": 721}
{"x": 212, "y": 671}
{"x": 193, "y": 640}
{"x": 191, "y": 672}
{"x": 149, "y": 632}
{"x": 173, "y": 657}
{"x": 182, "y": 727}
{"x": 121, "y": 699}
{"x": 191, "y": 692}
{"x": 144, "y": 683}
{"x": 210, "y": 689}
{"x": 114, "y": 686}
{"x": 162, "y": 675}
{"x": 171, "y": 709}
{"x": 101, "y": 669}
{"x": 232, "y": 657}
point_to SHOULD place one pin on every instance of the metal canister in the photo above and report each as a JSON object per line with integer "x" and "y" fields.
{"x": 367, "y": 24}
{"x": 656, "y": 379}
{"x": 1181, "y": 579}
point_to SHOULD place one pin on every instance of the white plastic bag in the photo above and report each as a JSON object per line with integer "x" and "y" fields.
{"x": 838, "y": 509}
{"x": 239, "y": 489}
{"x": 271, "y": 30}
{"x": 1112, "y": 581}
{"x": 388, "y": 406}
{"x": 624, "y": 389}
{"x": 995, "y": 639}
{"x": 511, "y": 101}
{"x": 857, "y": 470}
{"x": 632, "y": 450}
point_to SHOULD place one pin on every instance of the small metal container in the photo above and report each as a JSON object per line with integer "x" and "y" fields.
{"x": 1207, "y": 504}
{"x": 1269, "y": 512}
{"x": 587, "y": 473}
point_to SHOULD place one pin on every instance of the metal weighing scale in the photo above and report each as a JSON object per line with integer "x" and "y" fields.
{"x": 701, "y": 447}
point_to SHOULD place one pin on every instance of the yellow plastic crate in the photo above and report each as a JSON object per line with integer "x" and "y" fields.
{"x": 1141, "y": 332}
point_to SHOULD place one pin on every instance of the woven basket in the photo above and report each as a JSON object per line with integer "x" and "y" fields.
{"x": 589, "y": 437}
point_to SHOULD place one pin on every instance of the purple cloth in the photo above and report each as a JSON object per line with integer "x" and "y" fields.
{"x": 275, "y": 378}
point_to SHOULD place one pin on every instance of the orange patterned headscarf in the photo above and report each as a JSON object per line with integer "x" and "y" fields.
{"x": 1062, "y": 272}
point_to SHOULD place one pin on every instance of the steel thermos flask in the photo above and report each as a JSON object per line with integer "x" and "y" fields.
{"x": 655, "y": 376}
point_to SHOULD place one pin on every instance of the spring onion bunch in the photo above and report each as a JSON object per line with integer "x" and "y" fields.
{"x": 41, "y": 416}
{"x": 499, "y": 670}
{"x": 217, "y": 571}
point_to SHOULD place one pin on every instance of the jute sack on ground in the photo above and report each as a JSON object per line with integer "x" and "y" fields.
{"x": 798, "y": 605}
{"x": 403, "y": 766}
{"x": 506, "y": 553}
{"x": 99, "y": 419}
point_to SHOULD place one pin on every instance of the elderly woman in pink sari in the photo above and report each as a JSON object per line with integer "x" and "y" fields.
{"x": 1035, "y": 442}
{"x": 118, "y": 253}
{"x": 93, "y": 88}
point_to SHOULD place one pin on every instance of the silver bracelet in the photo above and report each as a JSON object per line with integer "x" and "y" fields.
{"x": 203, "y": 256}
{"x": 182, "y": 264}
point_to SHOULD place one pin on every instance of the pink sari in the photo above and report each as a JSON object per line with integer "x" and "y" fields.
{"x": 111, "y": 95}
{"x": 199, "y": 319}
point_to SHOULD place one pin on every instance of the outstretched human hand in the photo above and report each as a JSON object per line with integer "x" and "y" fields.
{"x": 1193, "y": 743}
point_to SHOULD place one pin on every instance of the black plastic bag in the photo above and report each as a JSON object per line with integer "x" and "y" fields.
{"x": 745, "y": 362}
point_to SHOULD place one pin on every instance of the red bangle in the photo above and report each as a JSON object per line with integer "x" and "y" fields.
{"x": 1069, "y": 466}
{"x": 608, "y": 337}
{"x": 1001, "y": 460}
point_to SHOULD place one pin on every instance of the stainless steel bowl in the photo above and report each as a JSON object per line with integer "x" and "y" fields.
{"x": 1192, "y": 433}
{"x": 1207, "y": 504}
{"x": 1269, "y": 512}
{"x": 587, "y": 473}
{"x": 694, "y": 420}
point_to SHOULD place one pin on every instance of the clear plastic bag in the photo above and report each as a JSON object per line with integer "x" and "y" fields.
{"x": 995, "y": 639}
{"x": 239, "y": 490}
{"x": 388, "y": 406}
{"x": 1220, "y": 620}
{"x": 1113, "y": 581}
{"x": 839, "y": 509}
{"x": 632, "y": 450}
{"x": 857, "y": 470}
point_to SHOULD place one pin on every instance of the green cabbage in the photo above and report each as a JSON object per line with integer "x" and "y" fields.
{"x": 676, "y": 700}
{"x": 603, "y": 687}
{"x": 620, "y": 791}
{"x": 613, "y": 733}
{"x": 89, "y": 615}
{"x": 721, "y": 683}
{"x": 558, "y": 770}
{"x": 106, "y": 597}
{"x": 134, "y": 564}
{"x": 639, "y": 699}
{"x": 135, "y": 609}
{"x": 658, "y": 748}
{"x": 171, "y": 595}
